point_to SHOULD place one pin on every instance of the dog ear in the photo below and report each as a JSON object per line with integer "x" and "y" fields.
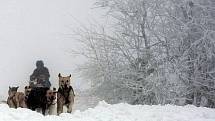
{"x": 59, "y": 75}
{"x": 70, "y": 75}
{"x": 26, "y": 87}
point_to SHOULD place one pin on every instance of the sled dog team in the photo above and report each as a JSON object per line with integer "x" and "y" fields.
{"x": 43, "y": 98}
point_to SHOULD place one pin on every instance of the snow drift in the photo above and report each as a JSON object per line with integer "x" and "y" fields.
{"x": 117, "y": 112}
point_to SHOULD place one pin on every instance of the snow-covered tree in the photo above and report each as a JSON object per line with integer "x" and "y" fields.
{"x": 156, "y": 52}
{"x": 194, "y": 48}
{"x": 130, "y": 64}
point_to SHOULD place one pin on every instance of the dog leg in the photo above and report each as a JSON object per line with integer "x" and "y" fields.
{"x": 10, "y": 103}
{"x": 59, "y": 108}
{"x": 69, "y": 108}
{"x": 17, "y": 103}
{"x": 22, "y": 101}
{"x": 44, "y": 111}
{"x": 60, "y": 103}
{"x": 23, "y": 104}
{"x": 71, "y": 100}
{"x": 52, "y": 109}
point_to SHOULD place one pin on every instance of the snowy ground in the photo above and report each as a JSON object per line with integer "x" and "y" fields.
{"x": 117, "y": 112}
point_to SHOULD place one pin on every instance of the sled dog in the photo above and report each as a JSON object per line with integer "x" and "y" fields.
{"x": 41, "y": 98}
{"x": 65, "y": 95}
{"x": 16, "y": 99}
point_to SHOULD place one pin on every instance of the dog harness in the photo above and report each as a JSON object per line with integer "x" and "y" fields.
{"x": 65, "y": 92}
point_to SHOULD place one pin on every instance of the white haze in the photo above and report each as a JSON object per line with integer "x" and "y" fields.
{"x": 38, "y": 29}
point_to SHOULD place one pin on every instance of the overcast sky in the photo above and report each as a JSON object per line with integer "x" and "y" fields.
{"x": 37, "y": 29}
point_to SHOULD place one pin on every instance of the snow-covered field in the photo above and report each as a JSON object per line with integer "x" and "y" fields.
{"x": 117, "y": 112}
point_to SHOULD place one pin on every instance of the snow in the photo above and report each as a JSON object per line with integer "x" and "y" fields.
{"x": 116, "y": 112}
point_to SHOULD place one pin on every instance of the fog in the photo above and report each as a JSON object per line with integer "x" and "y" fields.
{"x": 33, "y": 30}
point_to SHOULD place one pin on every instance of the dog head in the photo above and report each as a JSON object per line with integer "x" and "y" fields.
{"x": 64, "y": 82}
{"x": 27, "y": 90}
{"x": 12, "y": 91}
{"x": 51, "y": 96}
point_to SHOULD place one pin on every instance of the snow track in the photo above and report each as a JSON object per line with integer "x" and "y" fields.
{"x": 117, "y": 112}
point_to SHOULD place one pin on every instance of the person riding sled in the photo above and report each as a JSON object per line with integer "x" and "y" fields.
{"x": 40, "y": 76}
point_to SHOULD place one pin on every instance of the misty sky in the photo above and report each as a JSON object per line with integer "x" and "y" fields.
{"x": 38, "y": 29}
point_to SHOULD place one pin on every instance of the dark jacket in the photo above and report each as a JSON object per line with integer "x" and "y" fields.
{"x": 41, "y": 73}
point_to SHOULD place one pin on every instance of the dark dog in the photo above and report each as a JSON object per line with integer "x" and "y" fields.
{"x": 65, "y": 95}
{"x": 27, "y": 92}
{"x": 41, "y": 97}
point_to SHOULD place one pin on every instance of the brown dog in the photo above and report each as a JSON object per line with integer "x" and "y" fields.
{"x": 65, "y": 95}
{"x": 16, "y": 99}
